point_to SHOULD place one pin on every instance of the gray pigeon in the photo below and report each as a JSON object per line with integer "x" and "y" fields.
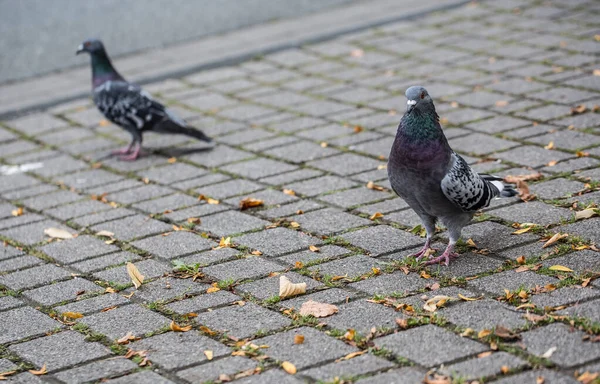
{"x": 433, "y": 180}
{"x": 128, "y": 106}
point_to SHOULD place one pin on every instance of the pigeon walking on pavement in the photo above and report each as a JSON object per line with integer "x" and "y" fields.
{"x": 128, "y": 106}
{"x": 434, "y": 181}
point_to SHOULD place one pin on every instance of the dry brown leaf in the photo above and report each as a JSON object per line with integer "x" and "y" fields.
{"x": 208, "y": 200}
{"x": 521, "y": 260}
{"x": 522, "y": 268}
{"x": 535, "y": 318}
{"x": 257, "y": 253}
{"x": 208, "y": 331}
{"x": 213, "y": 289}
{"x": 134, "y": 274}
{"x": 505, "y": 333}
{"x": 129, "y": 337}
{"x": 177, "y": 328}
{"x": 375, "y": 187}
{"x": 578, "y": 109}
{"x": 324, "y": 144}
{"x": 289, "y": 367}
{"x": 523, "y": 190}
{"x": 104, "y": 123}
{"x": 437, "y": 379}
{"x": 484, "y": 333}
{"x": 560, "y": 268}
{"x": 467, "y": 332}
{"x": 209, "y": 354}
{"x": 57, "y": 233}
{"x": 298, "y": 339}
{"x": 349, "y": 335}
{"x": 425, "y": 275}
{"x": 436, "y": 302}
{"x": 171, "y": 160}
{"x": 289, "y": 192}
{"x": 550, "y": 145}
{"x": 471, "y": 243}
{"x": 587, "y": 377}
{"x": 376, "y": 215}
{"x": 484, "y": 354}
{"x": 501, "y": 103}
{"x": 294, "y": 224}
{"x": 317, "y": 309}
{"x": 351, "y": 355}
{"x": 314, "y": 248}
{"x": 287, "y": 288}
{"x": 193, "y": 220}
{"x": 552, "y": 163}
{"x": 72, "y": 315}
{"x": 540, "y": 380}
{"x": 582, "y": 154}
{"x": 357, "y": 53}
{"x": 522, "y": 230}
{"x": 586, "y": 213}
{"x": 250, "y": 202}
{"x": 554, "y": 239}
{"x": 465, "y": 298}
{"x": 17, "y": 212}
{"x": 402, "y": 323}
{"x": 41, "y": 371}
{"x": 529, "y": 177}
{"x": 105, "y": 233}
{"x": 358, "y": 129}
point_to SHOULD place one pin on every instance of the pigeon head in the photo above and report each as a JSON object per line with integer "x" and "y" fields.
{"x": 91, "y": 46}
{"x": 418, "y": 99}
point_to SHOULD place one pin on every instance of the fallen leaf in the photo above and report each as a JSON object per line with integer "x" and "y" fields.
{"x": 501, "y": 103}
{"x": 529, "y": 177}
{"x": 357, "y": 53}
{"x": 465, "y": 298}
{"x": 250, "y": 202}
{"x": 560, "y": 268}
{"x": 425, "y": 275}
{"x": 213, "y": 289}
{"x": 578, "y": 109}
{"x": 402, "y": 323}
{"x": 587, "y": 377}
{"x": 521, "y": 260}
{"x": 505, "y": 333}
{"x": 471, "y": 243}
{"x": 467, "y": 332}
{"x": 317, "y": 309}
{"x": 298, "y": 339}
{"x": 535, "y": 318}
{"x": 134, "y": 274}
{"x": 484, "y": 333}
{"x": 57, "y": 233}
{"x": 522, "y": 268}
{"x": 376, "y": 215}
{"x": 484, "y": 354}
{"x": 540, "y": 380}
{"x": 105, "y": 233}
{"x": 552, "y": 163}
{"x": 208, "y": 200}
{"x": 289, "y": 192}
{"x": 72, "y": 315}
{"x": 193, "y": 220}
{"x": 324, "y": 144}
{"x": 257, "y": 253}
{"x": 17, "y": 212}
{"x": 208, "y": 354}
{"x": 382, "y": 166}
{"x": 522, "y": 231}
{"x": 287, "y": 288}
{"x": 298, "y": 264}
{"x": 176, "y": 328}
{"x": 582, "y": 154}
{"x": 208, "y": 331}
{"x": 104, "y": 123}
{"x": 375, "y": 187}
{"x": 376, "y": 271}
{"x": 554, "y": 239}
{"x": 358, "y": 129}
{"x": 437, "y": 379}
{"x": 436, "y": 302}
{"x": 349, "y": 335}
{"x": 42, "y": 371}
{"x": 294, "y": 224}
{"x": 351, "y": 355}
{"x": 110, "y": 290}
{"x": 289, "y": 367}
{"x": 587, "y": 213}
{"x": 224, "y": 243}
{"x": 129, "y": 337}
{"x": 171, "y": 160}
{"x": 505, "y": 369}
{"x": 314, "y": 248}
{"x": 523, "y": 190}
{"x": 549, "y": 352}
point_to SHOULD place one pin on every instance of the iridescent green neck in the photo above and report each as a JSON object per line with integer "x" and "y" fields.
{"x": 102, "y": 69}
{"x": 421, "y": 125}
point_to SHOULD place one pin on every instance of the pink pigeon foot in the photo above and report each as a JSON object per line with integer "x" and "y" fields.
{"x": 423, "y": 250}
{"x": 123, "y": 151}
{"x": 133, "y": 156}
{"x": 444, "y": 257}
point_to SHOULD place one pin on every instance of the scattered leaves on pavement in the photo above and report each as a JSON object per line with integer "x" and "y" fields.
{"x": 41, "y": 371}
{"x": 432, "y": 304}
{"x": 250, "y": 202}
{"x": 554, "y": 239}
{"x": 287, "y": 288}
{"x": 560, "y": 268}
{"x": 587, "y": 213}
{"x": 134, "y": 274}
{"x": 317, "y": 309}
{"x": 57, "y": 233}
{"x": 129, "y": 337}
{"x": 177, "y": 328}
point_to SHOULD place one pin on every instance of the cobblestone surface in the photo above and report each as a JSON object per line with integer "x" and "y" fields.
{"x": 305, "y": 130}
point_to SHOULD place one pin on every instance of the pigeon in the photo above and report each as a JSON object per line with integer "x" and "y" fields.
{"x": 434, "y": 180}
{"x": 129, "y": 106}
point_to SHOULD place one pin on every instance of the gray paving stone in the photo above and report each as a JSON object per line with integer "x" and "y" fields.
{"x": 362, "y": 315}
{"x": 406, "y": 375}
{"x": 51, "y": 200}
{"x": 213, "y": 370}
{"x": 290, "y": 209}
{"x": 556, "y": 188}
{"x": 142, "y": 193}
{"x": 16, "y": 181}
{"x": 201, "y": 303}
{"x": 273, "y": 376}
{"x": 167, "y": 203}
{"x": 25, "y": 378}
{"x": 301, "y": 152}
{"x": 396, "y": 283}
{"x": 7, "y": 252}
{"x": 549, "y": 377}
{"x": 37, "y": 123}
{"x": 102, "y": 262}
{"x": 19, "y": 263}
{"x": 29, "y": 234}
{"x": 129, "y": 318}
{"x": 359, "y": 365}
{"x": 353, "y": 266}
{"x": 210, "y": 257}
{"x": 243, "y": 321}
{"x": 35, "y": 276}
{"x": 345, "y": 164}
{"x": 175, "y": 245}
{"x": 59, "y": 165}
{"x": 584, "y": 228}
{"x": 94, "y": 304}
{"x": 101, "y": 217}
{"x": 7, "y": 365}
{"x": 480, "y": 144}
{"x": 142, "y": 377}
{"x": 277, "y": 241}
{"x": 494, "y": 236}
{"x": 270, "y": 197}
{"x": 531, "y": 156}
{"x": 329, "y": 221}
{"x": 353, "y": 197}
{"x": 81, "y": 208}
{"x": 21, "y": 323}
{"x": 581, "y": 261}
{"x": 532, "y": 212}
{"x": 174, "y": 350}
{"x": 314, "y": 187}
{"x": 27, "y": 217}
{"x": 167, "y": 288}
{"x": 259, "y": 168}
{"x": 588, "y": 310}
{"x": 484, "y": 314}
{"x": 247, "y": 268}
{"x": 132, "y": 227}
{"x": 97, "y": 370}
{"x": 172, "y": 173}
{"x": 9, "y": 302}
{"x": 74, "y": 350}
{"x": 567, "y": 139}
{"x": 429, "y": 345}
{"x": 564, "y": 296}
{"x": 229, "y": 188}
{"x": 196, "y": 211}
{"x": 77, "y": 249}
{"x": 330, "y": 296}
{"x": 112, "y": 187}
{"x": 485, "y": 367}
{"x": 67, "y": 290}
{"x": 268, "y": 287}
{"x": 289, "y": 177}
{"x": 149, "y": 268}
{"x": 231, "y": 222}
{"x": 382, "y": 239}
{"x": 307, "y": 256}
{"x": 23, "y": 193}
{"x": 512, "y": 281}
{"x": 317, "y": 347}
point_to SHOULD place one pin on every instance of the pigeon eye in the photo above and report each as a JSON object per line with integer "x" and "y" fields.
{"x": 422, "y": 95}
{"x": 87, "y": 44}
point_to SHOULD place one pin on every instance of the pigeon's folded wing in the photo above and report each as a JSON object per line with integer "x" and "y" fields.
{"x": 128, "y": 105}
{"x": 466, "y": 188}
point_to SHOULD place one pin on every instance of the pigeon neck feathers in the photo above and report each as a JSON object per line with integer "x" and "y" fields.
{"x": 103, "y": 70}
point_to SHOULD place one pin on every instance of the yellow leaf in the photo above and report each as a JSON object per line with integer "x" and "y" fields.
{"x": 554, "y": 239}
{"x": 134, "y": 274}
{"x": 587, "y": 377}
{"x": 224, "y": 243}
{"x": 172, "y": 160}
{"x": 471, "y": 243}
{"x": 552, "y": 163}
{"x": 42, "y": 371}
{"x": 213, "y": 289}
{"x": 484, "y": 333}
{"x": 375, "y": 187}
{"x": 550, "y": 145}
{"x": 349, "y": 335}
{"x": 289, "y": 367}
{"x": 110, "y": 290}
{"x": 208, "y": 354}
{"x": 72, "y": 315}
{"x": 317, "y": 309}
{"x": 522, "y": 231}
{"x": 287, "y": 288}
{"x": 257, "y": 253}
{"x": 352, "y": 355}
{"x": 586, "y": 213}
{"x": 298, "y": 264}
{"x": 521, "y": 260}
{"x": 17, "y": 212}
{"x": 484, "y": 354}
{"x": 105, "y": 233}
{"x": 176, "y": 328}
{"x": 376, "y": 215}
{"x": 376, "y": 271}
{"x": 298, "y": 339}
{"x": 208, "y": 200}
{"x": 250, "y": 202}
{"x": 425, "y": 275}
{"x": 294, "y": 224}
{"x": 465, "y": 298}
{"x": 560, "y": 268}
{"x": 57, "y": 233}
{"x": 208, "y": 331}
{"x": 436, "y": 302}
{"x": 104, "y": 123}
{"x": 314, "y": 248}
{"x": 289, "y": 192}
{"x": 193, "y": 220}
{"x": 129, "y": 337}
{"x": 467, "y": 332}
{"x": 324, "y": 144}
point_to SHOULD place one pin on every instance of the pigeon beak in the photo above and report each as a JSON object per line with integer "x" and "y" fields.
{"x": 79, "y": 49}
{"x": 410, "y": 104}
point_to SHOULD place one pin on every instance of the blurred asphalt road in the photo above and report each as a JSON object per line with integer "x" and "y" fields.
{"x": 41, "y": 36}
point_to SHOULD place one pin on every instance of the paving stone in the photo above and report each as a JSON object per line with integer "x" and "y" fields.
{"x": 74, "y": 350}
{"x": 381, "y": 239}
{"x": 581, "y": 261}
{"x": 273, "y": 376}
{"x": 9, "y": 302}
{"x": 487, "y": 366}
{"x": 481, "y": 144}
{"x": 289, "y": 177}
{"x": 484, "y": 314}
{"x": 94, "y": 304}
{"x": 174, "y": 245}
{"x": 259, "y": 168}
{"x": 167, "y": 288}
{"x": 143, "y": 377}
{"x": 211, "y": 371}
{"x": 203, "y": 302}
{"x": 429, "y": 345}
{"x": 26, "y": 218}
{"x": 243, "y": 321}
{"x": 407, "y": 218}
{"x": 406, "y": 375}
{"x": 360, "y": 365}
{"x": 132, "y": 227}
{"x": 572, "y": 351}
{"x": 532, "y": 212}
{"x": 35, "y": 276}
{"x": 59, "y": 165}
{"x": 587, "y": 310}
{"x": 556, "y": 188}
{"x": 493, "y": 236}
{"x": 130, "y": 318}
{"x": 277, "y": 241}
{"x": 67, "y": 290}
{"x": 29, "y": 234}
{"x": 142, "y": 193}
{"x": 247, "y": 268}
{"x": 51, "y": 200}
{"x": 512, "y": 281}
{"x": 317, "y": 347}
{"x": 468, "y": 264}
{"x": 269, "y": 286}
{"x": 149, "y": 268}
{"x": 173, "y": 350}
{"x": 37, "y": 123}
{"x": 7, "y": 252}
{"x": 330, "y": 296}
{"x": 584, "y": 228}
{"x": 328, "y": 221}
{"x": 314, "y": 187}
{"x": 96, "y": 371}
{"x": 24, "y": 322}
{"x": 229, "y": 188}
{"x": 81, "y": 208}
{"x": 301, "y": 152}
{"x": 290, "y": 209}
{"x": 172, "y": 173}
{"x": 353, "y": 197}
{"x": 196, "y": 211}
{"x": 531, "y": 156}
{"x": 549, "y": 377}
{"x": 77, "y": 249}
{"x": 19, "y": 263}
{"x": 17, "y": 182}
{"x": 567, "y": 139}
{"x": 362, "y": 316}
{"x": 231, "y": 222}
{"x": 392, "y": 284}
{"x": 325, "y": 252}
{"x": 345, "y": 164}
{"x": 23, "y": 193}
{"x": 7, "y": 365}
{"x": 210, "y": 257}
{"x": 102, "y": 262}
{"x": 351, "y": 267}
{"x": 167, "y": 203}
{"x": 564, "y": 296}
{"x": 270, "y": 197}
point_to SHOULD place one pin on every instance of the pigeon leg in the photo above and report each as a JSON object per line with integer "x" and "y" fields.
{"x": 125, "y": 150}
{"x": 444, "y": 257}
{"x": 423, "y": 250}
{"x": 429, "y": 224}
{"x": 134, "y": 155}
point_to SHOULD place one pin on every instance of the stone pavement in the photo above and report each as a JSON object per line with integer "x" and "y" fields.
{"x": 307, "y": 131}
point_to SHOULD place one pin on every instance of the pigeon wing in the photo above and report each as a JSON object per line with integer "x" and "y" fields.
{"x": 465, "y": 188}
